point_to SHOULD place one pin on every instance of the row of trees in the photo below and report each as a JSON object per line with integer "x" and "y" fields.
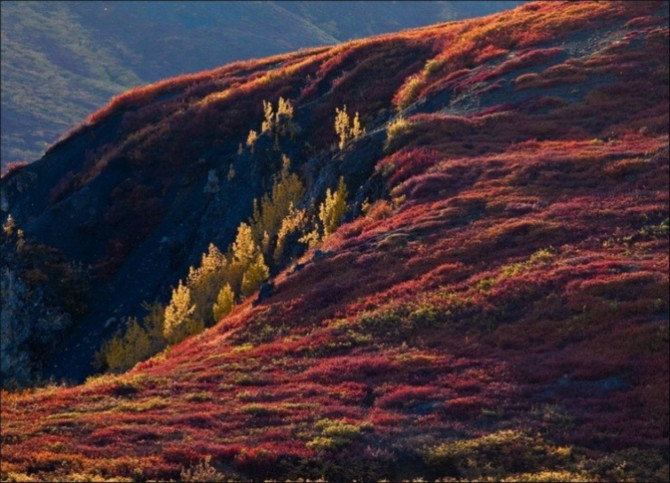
{"x": 211, "y": 290}
{"x": 280, "y": 123}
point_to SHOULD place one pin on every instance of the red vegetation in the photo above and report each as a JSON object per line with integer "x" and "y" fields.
{"x": 517, "y": 279}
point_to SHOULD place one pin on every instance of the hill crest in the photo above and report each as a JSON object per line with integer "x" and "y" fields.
{"x": 494, "y": 306}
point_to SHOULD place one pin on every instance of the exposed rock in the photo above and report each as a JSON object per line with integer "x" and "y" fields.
{"x": 265, "y": 292}
{"x": 212, "y": 185}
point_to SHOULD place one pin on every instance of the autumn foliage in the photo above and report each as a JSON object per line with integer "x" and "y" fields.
{"x": 498, "y": 311}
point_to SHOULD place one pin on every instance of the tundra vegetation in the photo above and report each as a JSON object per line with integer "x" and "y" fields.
{"x": 475, "y": 288}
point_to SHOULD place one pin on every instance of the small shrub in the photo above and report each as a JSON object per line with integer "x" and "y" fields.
{"x": 203, "y": 471}
{"x": 336, "y": 434}
{"x": 409, "y": 91}
{"x": 495, "y": 455}
{"x": 395, "y": 131}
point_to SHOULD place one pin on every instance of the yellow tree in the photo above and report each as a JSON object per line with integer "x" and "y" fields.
{"x": 137, "y": 343}
{"x": 244, "y": 248}
{"x": 113, "y": 354}
{"x": 268, "y": 123}
{"x": 251, "y": 140}
{"x": 284, "y": 118}
{"x": 287, "y": 191}
{"x": 254, "y": 276}
{"x": 342, "y": 125}
{"x": 123, "y": 351}
{"x": 356, "y": 128}
{"x": 153, "y": 323}
{"x": 333, "y": 208}
{"x": 346, "y": 128}
{"x": 205, "y": 282}
{"x": 292, "y": 223}
{"x": 179, "y": 321}
{"x": 242, "y": 253}
{"x": 224, "y": 302}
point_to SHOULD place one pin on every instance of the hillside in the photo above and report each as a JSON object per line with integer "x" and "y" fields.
{"x": 493, "y": 306}
{"x": 91, "y": 51}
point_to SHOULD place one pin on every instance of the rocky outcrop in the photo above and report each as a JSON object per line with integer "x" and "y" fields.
{"x": 42, "y": 297}
{"x": 30, "y": 321}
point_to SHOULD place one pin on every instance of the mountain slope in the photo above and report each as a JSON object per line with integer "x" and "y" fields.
{"x": 499, "y": 308}
{"x": 91, "y": 51}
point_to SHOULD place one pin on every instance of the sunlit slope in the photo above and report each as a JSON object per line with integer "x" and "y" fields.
{"x": 500, "y": 309}
{"x": 89, "y": 51}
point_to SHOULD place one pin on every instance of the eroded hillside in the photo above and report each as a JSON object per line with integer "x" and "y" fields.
{"x": 494, "y": 306}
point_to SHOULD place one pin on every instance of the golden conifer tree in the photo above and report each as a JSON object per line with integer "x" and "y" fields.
{"x": 113, "y": 354}
{"x": 284, "y": 118}
{"x": 251, "y": 140}
{"x": 123, "y": 351}
{"x": 268, "y": 123}
{"x": 137, "y": 343}
{"x": 292, "y": 223}
{"x": 333, "y": 208}
{"x": 254, "y": 276}
{"x": 153, "y": 323}
{"x": 205, "y": 282}
{"x": 346, "y": 128}
{"x": 342, "y": 125}
{"x": 356, "y": 128}
{"x": 224, "y": 302}
{"x": 311, "y": 238}
{"x": 287, "y": 191}
{"x": 244, "y": 248}
{"x": 179, "y": 321}
{"x": 241, "y": 254}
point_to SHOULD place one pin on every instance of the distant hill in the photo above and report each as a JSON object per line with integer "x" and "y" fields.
{"x": 63, "y": 60}
{"x": 462, "y": 275}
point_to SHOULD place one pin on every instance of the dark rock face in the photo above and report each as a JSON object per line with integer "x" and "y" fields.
{"x": 265, "y": 292}
{"x": 42, "y": 297}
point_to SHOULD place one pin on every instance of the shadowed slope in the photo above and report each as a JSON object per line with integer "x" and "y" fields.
{"x": 499, "y": 311}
